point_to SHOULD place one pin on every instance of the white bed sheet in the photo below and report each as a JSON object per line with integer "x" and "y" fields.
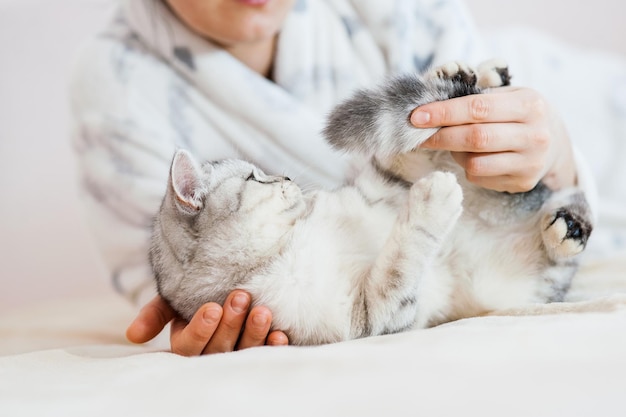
{"x": 71, "y": 359}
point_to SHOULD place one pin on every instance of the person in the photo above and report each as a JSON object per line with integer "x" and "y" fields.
{"x": 254, "y": 79}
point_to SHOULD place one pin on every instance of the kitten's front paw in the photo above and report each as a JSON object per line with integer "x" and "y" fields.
{"x": 435, "y": 202}
{"x": 455, "y": 71}
{"x": 564, "y": 233}
{"x": 493, "y": 73}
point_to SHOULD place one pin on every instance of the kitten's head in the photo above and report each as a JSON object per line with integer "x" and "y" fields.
{"x": 217, "y": 225}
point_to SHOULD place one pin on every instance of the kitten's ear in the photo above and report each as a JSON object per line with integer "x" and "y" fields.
{"x": 186, "y": 182}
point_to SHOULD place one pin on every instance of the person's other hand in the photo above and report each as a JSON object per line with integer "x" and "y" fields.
{"x": 506, "y": 140}
{"x": 212, "y": 329}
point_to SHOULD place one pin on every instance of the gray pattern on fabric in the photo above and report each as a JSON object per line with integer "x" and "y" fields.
{"x": 185, "y": 56}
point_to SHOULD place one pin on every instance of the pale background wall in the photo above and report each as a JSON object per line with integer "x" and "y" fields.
{"x": 590, "y": 24}
{"x": 45, "y": 251}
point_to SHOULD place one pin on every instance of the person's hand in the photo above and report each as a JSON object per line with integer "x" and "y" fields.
{"x": 506, "y": 140}
{"x": 212, "y": 329}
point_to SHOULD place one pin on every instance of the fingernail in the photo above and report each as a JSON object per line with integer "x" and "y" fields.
{"x": 240, "y": 303}
{"x": 211, "y": 315}
{"x": 278, "y": 339}
{"x": 260, "y": 319}
{"x": 420, "y": 117}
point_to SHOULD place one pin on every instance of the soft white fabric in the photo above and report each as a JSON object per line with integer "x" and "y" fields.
{"x": 549, "y": 365}
{"x": 498, "y": 366}
{"x": 148, "y": 85}
{"x": 70, "y": 359}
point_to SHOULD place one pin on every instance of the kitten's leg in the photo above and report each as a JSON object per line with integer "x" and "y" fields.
{"x": 390, "y": 295}
{"x": 566, "y": 228}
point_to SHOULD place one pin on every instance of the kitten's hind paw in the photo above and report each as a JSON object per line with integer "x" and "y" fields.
{"x": 493, "y": 73}
{"x": 564, "y": 233}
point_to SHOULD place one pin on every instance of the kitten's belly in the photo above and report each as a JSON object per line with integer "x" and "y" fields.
{"x": 482, "y": 269}
{"x": 327, "y": 259}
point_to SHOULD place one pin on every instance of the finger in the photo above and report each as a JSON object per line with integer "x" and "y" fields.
{"x": 482, "y": 138}
{"x": 256, "y": 328}
{"x": 509, "y": 106}
{"x": 228, "y": 331}
{"x": 503, "y": 183}
{"x": 505, "y": 171}
{"x": 190, "y": 339}
{"x": 277, "y": 338}
{"x": 150, "y": 320}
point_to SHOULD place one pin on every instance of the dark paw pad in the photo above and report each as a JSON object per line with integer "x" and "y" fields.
{"x": 575, "y": 228}
{"x": 504, "y": 74}
{"x": 468, "y": 78}
{"x": 565, "y": 233}
{"x": 457, "y": 72}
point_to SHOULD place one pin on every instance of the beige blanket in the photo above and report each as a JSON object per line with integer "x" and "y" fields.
{"x": 71, "y": 359}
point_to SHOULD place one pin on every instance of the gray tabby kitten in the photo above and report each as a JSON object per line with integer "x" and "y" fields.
{"x": 408, "y": 243}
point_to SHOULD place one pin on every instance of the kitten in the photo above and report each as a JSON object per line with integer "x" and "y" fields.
{"x": 407, "y": 243}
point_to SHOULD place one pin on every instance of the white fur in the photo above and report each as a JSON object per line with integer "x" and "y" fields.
{"x": 311, "y": 285}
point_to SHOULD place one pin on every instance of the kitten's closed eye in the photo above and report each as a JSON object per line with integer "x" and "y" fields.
{"x": 264, "y": 179}
{"x": 258, "y": 177}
